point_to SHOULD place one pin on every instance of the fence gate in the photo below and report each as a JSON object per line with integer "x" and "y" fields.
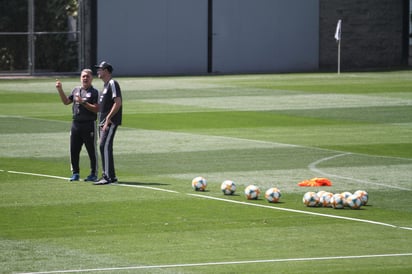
{"x": 40, "y": 37}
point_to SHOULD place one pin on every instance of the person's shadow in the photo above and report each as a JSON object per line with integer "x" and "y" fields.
{"x": 142, "y": 183}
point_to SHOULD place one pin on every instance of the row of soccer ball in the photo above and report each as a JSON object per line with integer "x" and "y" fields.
{"x": 228, "y": 187}
{"x": 336, "y": 200}
{"x": 311, "y": 199}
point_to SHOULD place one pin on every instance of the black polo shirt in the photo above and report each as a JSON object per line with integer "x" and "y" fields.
{"x": 110, "y": 91}
{"x": 80, "y": 112}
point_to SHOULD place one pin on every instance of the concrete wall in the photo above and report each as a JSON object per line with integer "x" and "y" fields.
{"x": 265, "y": 35}
{"x": 171, "y": 37}
{"x": 147, "y": 37}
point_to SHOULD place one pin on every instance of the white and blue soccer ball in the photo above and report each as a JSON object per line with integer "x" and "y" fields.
{"x": 354, "y": 201}
{"x": 199, "y": 183}
{"x": 363, "y": 195}
{"x": 320, "y": 193}
{"x": 252, "y": 192}
{"x": 324, "y": 199}
{"x": 272, "y": 195}
{"x": 310, "y": 199}
{"x": 337, "y": 201}
{"x": 346, "y": 195}
{"x": 228, "y": 187}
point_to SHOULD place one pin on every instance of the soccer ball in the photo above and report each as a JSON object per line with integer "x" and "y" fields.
{"x": 345, "y": 195}
{"x": 363, "y": 195}
{"x": 320, "y": 193}
{"x": 228, "y": 187}
{"x": 252, "y": 192}
{"x": 324, "y": 199}
{"x": 272, "y": 195}
{"x": 199, "y": 184}
{"x": 337, "y": 201}
{"x": 310, "y": 199}
{"x": 354, "y": 201}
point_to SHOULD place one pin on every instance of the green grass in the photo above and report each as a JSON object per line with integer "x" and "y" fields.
{"x": 269, "y": 130}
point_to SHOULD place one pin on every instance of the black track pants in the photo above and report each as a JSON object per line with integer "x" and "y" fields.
{"x": 83, "y": 133}
{"x": 106, "y": 151}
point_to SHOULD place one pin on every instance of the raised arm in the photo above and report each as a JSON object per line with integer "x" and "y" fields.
{"x": 63, "y": 97}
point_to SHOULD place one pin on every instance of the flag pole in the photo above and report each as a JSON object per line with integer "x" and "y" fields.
{"x": 339, "y": 56}
{"x": 338, "y": 37}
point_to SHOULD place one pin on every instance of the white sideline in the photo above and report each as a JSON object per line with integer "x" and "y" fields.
{"x": 39, "y": 175}
{"x": 233, "y": 201}
{"x": 222, "y": 263}
{"x": 65, "y": 178}
{"x": 300, "y": 211}
{"x": 228, "y": 262}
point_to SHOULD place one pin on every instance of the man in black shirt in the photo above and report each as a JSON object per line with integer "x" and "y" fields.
{"x": 83, "y": 129}
{"x": 110, "y": 117}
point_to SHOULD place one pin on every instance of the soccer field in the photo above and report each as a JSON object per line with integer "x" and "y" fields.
{"x": 268, "y": 130}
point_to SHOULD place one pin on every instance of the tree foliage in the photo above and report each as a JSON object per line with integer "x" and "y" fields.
{"x": 53, "y": 51}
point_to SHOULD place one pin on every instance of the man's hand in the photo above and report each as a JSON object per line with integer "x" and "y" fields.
{"x": 63, "y": 97}
{"x": 106, "y": 124}
{"x": 79, "y": 99}
{"x": 58, "y": 84}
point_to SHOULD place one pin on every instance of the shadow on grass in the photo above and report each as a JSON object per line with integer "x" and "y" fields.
{"x": 231, "y": 195}
{"x": 142, "y": 183}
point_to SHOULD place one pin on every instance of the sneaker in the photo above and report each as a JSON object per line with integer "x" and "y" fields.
{"x": 91, "y": 178}
{"x": 114, "y": 180}
{"x": 75, "y": 177}
{"x": 103, "y": 181}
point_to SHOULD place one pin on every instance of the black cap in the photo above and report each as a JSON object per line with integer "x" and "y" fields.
{"x": 105, "y": 65}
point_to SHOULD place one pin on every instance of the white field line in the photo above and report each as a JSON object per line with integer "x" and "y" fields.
{"x": 235, "y": 202}
{"x": 312, "y": 167}
{"x": 223, "y": 263}
{"x": 39, "y": 175}
{"x": 300, "y": 211}
{"x": 65, "y": 178}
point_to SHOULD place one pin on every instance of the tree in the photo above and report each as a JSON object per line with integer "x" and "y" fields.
{"x": 54, "y": 51}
